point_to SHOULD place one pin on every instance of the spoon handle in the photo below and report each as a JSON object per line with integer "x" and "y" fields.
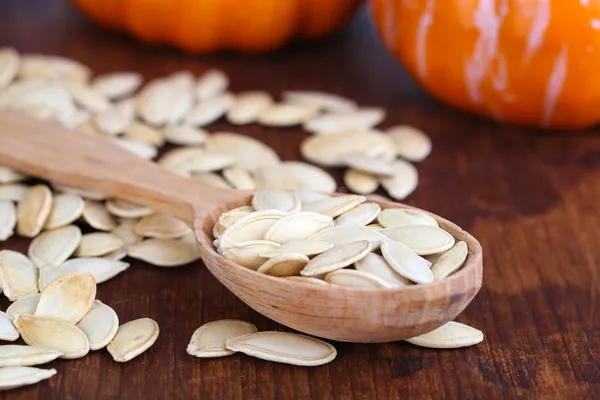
{"x": 45, "y": 149}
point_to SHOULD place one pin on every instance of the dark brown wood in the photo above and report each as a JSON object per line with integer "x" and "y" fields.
{"x": 530, "y": 197}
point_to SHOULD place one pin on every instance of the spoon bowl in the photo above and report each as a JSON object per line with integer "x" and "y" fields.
{"x": 353, "y": 315}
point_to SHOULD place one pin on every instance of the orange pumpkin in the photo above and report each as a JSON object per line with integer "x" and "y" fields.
{"x": 525, "y": 62}
{"x": 204, "y": 26}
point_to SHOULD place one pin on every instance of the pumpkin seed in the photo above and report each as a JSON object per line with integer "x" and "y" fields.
{"x": 450, "y": 261}
{"x": 15, "y": 355}
{"x": 98, "y": 244}
{"x": 239, "y": 178}
{"x": 306, "y": 279}
{"x": 356, "y": 279}
{"x": 161, "y": 226}
{"x": 8, "y": 175}
{"x": 451, "y": 335}
{"x": 410, "y": 143}
{"x": 101, "y": 269}
{"x": 294, "y": 175}
{"x": 306, "y": 247}
{"x": 52, "y": 68}
{"x": 284, "y": 347}
{"x": 126, "y": 209}
{"x": 115, "y": 120}
{"x": 320, "y": 100}
{"x": 422, "y": 239}
{"x": 360, "y": 182}
{"x": 228, "y": 218}
{"x": 12, "y": 191}
{"x": 7, "y": 329}
{"x": 52, "y": 248}
{"x": 297, "y": 226}
{"x": 125, "y": 232}
{"x": 117, "y": 85}
{"x": 185, "y": 135}
{"x": 403, "y": 182}
{"x": 249, "y": 254}
{"x": 334, "y": 206}
{"x": 99, "y": 325}
{"x": 211, "y": 84}
{"x": 24, "y": 305}
{"x": 19, "y": 275}
{"x": 365, "y": 118}
{"x": 96, "y": 216}
{"x": 195, "y": 159}
{"x": 378, "y": 266}
{"x": 249, "y": 153}
{"x": 210, "y": 110}
{"x": 15, "y": 377}
{"x": 283, "y": 115}
{"x": 87, "y": 98}
{"x": 212, "y": 180}
{"x": 132, "y": 339}
{"x": 164, "y": 100}
{"x": 145, "y": 134}
{"x": 39, "y": 99}
{"x": 8, "y": 219}
{"x": 396, "y": 217}
{"x": 86, "y": 194}
{"x": 140, "y": 149}
{"x": 276, "y": 200}
{"x": 406, "y": 262}
{"x": 248, "y": 106}
{"x": 66, "y": 208}
{"x": 164, "y": 252}
{"x": 53, "y": 333}
{"x": 209, "y": 340}
{"x": 286, "y": 264}
{"x": 250, "y": 227}
{"x": 362, "y": 214}
{"x": 69, "y": 297}
{"x": 369, "y": 164}
{"x": 9, "y": 65}
{"x": 336, "y": 258}
{"x": 344, "y": 234}
{"x": 33, "y": 210}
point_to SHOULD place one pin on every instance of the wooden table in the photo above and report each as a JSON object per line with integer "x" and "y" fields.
{"x": 531, "y": 198}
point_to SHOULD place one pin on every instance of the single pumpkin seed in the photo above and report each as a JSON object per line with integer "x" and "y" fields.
{"x": 66, "y": 209}
{"x": 340, "y": 235}
{"x": 356, "y": 279}
{"x": 286, "y": 264}
{"x": 69, "y": 297}
{"x": 336, "y": 258}
{"x": 15, "y": 355}
{"x": 98, "y": 244}
{"x": 8, "y": 331}
{"x": 303, "y": 246}
{"x": 410, "y": 143}
{"x": 33, "y": 210}
{"x": 249, "y": 254}
{"x": 115, "y": 120}
{"x": 239, "y": 178}
{"x": 88, "y": 98}
{"x": 142, "y": 150}
{"x": 282, "y": 115}
{"x": 360, "y": 182}
{"x": 132, "y": 339}
{"x": 15, "y": 377}
{"x": 185, "y": 135}
{"x": 53, "y": 333}
{"x": 395, "y": 217}
{"x": 450, "y": 261}
{"x": 12, "y": 191}
{"x": 208, "y": 341}
{"x": 365, "y": 118}
{"x": 96, "y": 216}
{"x": 422, "y": 239}
{"x": 306, "y": 279}
{"x": 102, "y": 269}
{"x": 320, "y": 100}
{"x": 210, "y": 110}
{"x": 52, "y": 68}
{"x": 284, "y": 347}
{"x": 161, "y": 226}
{"x": 99, "y": 325}
{"x": 229, "y": 218}
{"x": 25, "y": 305}
{"x": 248, "y": 106}
{"x": 362, "y": 214}
{"x": 195, "y": 159}
{"x": 250, "y": 227}
{"x": 211, "y": 84}
{"x": 125, "y": 231}
{"x": 52, "y": 248}
{"x": 126, "y": 209}
{"x": 406, "y": 262}
{"x": 117, "y": 85}
{"x": 19, "y": 275}
{"x": 334, "y": 206}
{"x": 164, "y": 252}
{"x": 276, "y": 200}
{"x": 294, "y": 175}
{"x": 8, "y": 219}
{"x": 297, "y": 226}
{"x": 378, "y": 266}
{"x": 249, "y": 153}
{"x": 403, "y": 182}
{"x": 451, "y": 335}
{"x": 143, "y": 133}
{"x": 371, "y": 165}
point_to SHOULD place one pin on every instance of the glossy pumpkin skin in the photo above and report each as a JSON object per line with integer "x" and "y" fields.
{"x": 203, "y": 26}
{"x": 525, "y": 62}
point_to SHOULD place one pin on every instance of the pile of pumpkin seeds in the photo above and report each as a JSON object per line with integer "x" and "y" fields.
{"x": 176, "y": 110}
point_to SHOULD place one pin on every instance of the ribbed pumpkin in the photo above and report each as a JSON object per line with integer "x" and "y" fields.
{"x": 525, "y": 62}
{"x": 204, "y": 26}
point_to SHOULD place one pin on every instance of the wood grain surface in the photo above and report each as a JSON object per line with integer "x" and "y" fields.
{"x": 531, "y": 198}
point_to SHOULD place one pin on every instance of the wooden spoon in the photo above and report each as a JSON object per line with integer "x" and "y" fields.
{"x": 90, "y": 162}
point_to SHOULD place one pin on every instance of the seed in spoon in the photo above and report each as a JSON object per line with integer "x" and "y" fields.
{"x": 336, "y": 258}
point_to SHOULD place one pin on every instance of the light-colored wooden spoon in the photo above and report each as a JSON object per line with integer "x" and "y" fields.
{"x": 46, "y": 150}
